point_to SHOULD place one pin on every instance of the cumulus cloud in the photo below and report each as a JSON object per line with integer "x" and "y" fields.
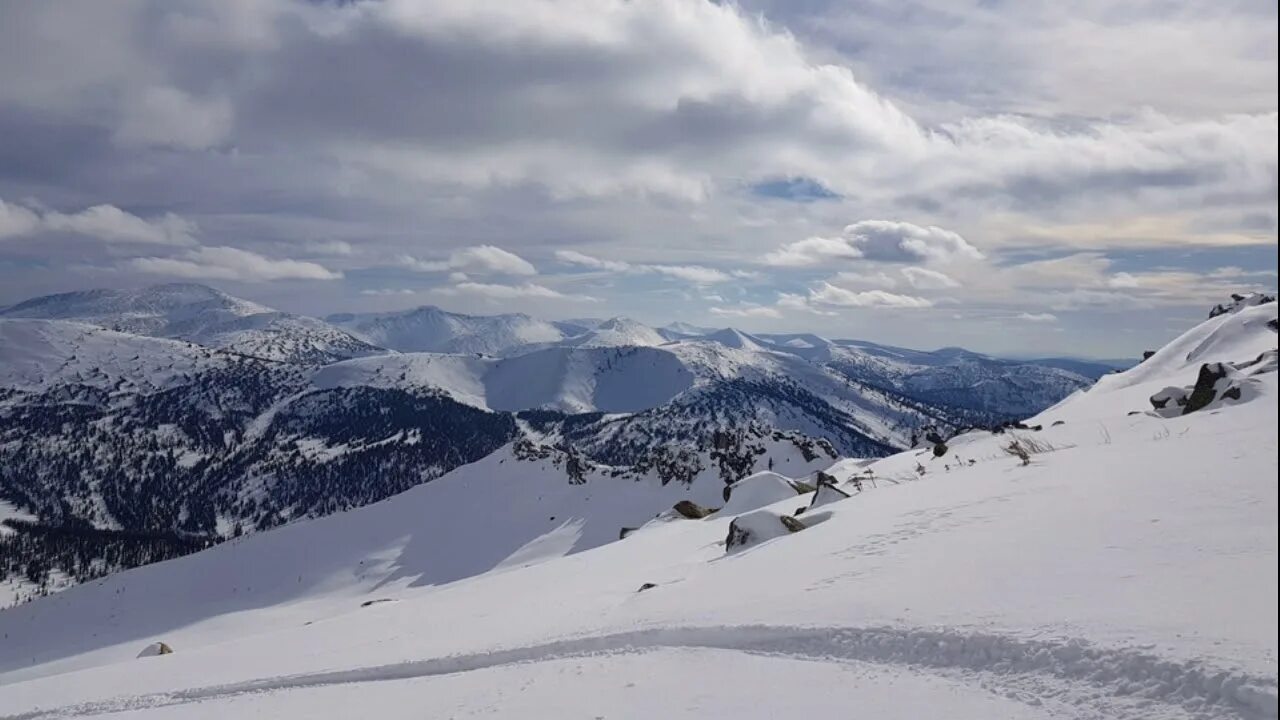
{"x": 890, "y": 241}
{"x": 480, "y": 259}
{"x": 228, "y": 263}
{"x": 812, "y": 251}
{"x": 876, "y": 240}
{"x": 697, "y": 274}
{"x": 104, "y": 222}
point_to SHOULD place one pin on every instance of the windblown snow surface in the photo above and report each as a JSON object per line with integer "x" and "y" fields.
{"x": 1127, "y": 571}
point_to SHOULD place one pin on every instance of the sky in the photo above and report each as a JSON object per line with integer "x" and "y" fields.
{"x": 1025, "y": 177}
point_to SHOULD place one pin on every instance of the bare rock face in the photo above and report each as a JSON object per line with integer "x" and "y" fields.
{"x": 692, "y": 510}
{"x": 1206, "y": 388}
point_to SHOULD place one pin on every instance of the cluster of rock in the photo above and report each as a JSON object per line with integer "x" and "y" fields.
{"x": 1216, "y": 384}
{"x": 1240, "y": 302}
{"x": 748, "y": 500}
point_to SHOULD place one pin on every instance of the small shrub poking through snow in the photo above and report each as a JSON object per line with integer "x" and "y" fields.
{"x": 1023, "y": 448}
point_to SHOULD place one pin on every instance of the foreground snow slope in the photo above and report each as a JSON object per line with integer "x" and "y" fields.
{"x": 1129, "y": 570}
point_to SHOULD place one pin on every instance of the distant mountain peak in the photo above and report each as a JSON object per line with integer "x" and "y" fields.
{"x": 202, "y": 315}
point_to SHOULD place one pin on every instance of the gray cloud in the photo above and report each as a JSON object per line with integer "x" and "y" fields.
{"x": 350, "y": 135}
{"x": 878, "y": 241}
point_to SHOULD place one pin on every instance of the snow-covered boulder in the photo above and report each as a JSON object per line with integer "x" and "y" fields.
{"x": 756, "y": 491}
{"x": 1217, "y": 384}
{"x": 1169, "y": 400}
{"x": 826, "y": 494}
{"x": 154, "y": 649}
{"x": 757, "y": 527}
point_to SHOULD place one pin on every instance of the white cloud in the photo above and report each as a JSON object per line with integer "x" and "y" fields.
{"x": 480, "y": 259}
{"x": 331, "y": 247}
{"x": 692, "y": 273}
{"x": 876, "y": 240}
{"x": 747, "y": 311}
{"x": 496, "y": 291}
{"x": 925, "y": 279}
{"x": 1123, "y": 280}
{"x": 697, "y": 274}
{"x": 828, "y": 294}
{"x": 492, "y": 259}
{"x": 795, "y": 301}
{"x": 104, "y": 222}
{"x": 880, "y": 280}
{"x": 574, "y": 257}
{"x": 228, "y": 263}
{"x": 891, "y": 241}
{"x": 16, "y": 220}
{"x": 812, "y": 251}
{"x": 1037, "y": 317}
{"x": 387, "y": 292}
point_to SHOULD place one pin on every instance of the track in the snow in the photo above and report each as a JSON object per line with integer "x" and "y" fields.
{"x": 1095, "y": 681}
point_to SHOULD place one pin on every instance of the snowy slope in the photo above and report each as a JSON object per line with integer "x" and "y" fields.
{"x": 512, "y": 508}
{"x": 618, "y": 332}
{"x": 1237, "y": 336}
{"x": 1128, "y": 570}
{"x": 632, "y": 379}
{"x": 430, "y": 329}
{"x": 572, "y": 380}
{"x": 201, "y": 315}
{"x": 37, "y": 355}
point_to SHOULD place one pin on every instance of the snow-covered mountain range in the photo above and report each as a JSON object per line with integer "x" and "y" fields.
{"x": 1114, "y": 556}
{"x": 138, "y": 425}
{"x": 201, "y": 315}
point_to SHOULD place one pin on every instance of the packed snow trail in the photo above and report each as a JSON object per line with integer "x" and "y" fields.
{"x": 1089, "y": 680}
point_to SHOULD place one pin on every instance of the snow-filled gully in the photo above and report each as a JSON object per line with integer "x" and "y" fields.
{"x": 1073, "y": 676}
